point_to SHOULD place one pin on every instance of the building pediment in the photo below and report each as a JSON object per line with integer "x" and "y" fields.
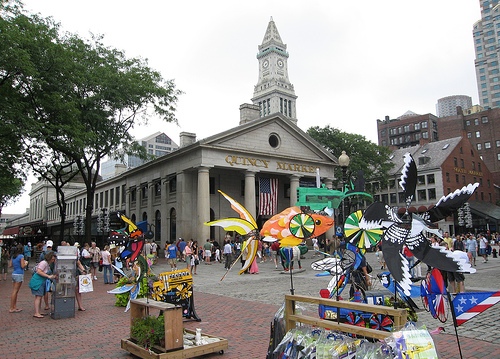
{"x": 274, "y": 136}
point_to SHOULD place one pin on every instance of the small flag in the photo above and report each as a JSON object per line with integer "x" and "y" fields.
{"x": 468, "y": 305}
{"x": 268, "y": 196}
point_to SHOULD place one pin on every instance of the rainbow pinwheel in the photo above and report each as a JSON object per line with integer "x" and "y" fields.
{"x": 362, "y": 236}
{"x": 355, "y": 319}
{"x": 381, "y": 322}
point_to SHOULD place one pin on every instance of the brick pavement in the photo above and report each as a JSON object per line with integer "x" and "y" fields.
{"x": 237, "y": 309}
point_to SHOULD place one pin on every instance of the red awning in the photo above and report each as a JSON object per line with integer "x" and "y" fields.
{"x": 11, "y": 231}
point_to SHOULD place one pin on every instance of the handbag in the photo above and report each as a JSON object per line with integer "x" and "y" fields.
{"x": 85, "y": 284}
{"x": 49, "y": 286}
{"x": 36, "y": 281}
{"x": 100, "y": 265}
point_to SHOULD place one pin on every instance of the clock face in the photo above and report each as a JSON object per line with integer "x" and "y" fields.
{"x": 265, "y": 64}
{"x": 280, "y": 63}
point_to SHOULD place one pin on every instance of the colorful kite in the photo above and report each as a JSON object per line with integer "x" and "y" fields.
{"x": 244, "y": 225}
{"x": 292, "y": 226}
{"x": 410, "y": 228}
{"x": 434, "y": 295}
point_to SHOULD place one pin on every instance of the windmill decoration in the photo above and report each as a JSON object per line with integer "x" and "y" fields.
{"x": 408, "y": 229}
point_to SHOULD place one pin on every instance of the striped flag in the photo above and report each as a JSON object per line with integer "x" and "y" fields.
{"x": 468, "y": 305}
{"x": 268, "y": 196}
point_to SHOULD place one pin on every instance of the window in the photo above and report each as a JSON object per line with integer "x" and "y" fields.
{"x": 487, "y": 145}
{"x": 455, "y": 161}
{"x": 473, "y": 165}
{"x": 431, "y": 193}
{"x": 479, "y": 166}
{"x": 462, "y": 163}
{"x": 424, "y": 124}
{"x": 392, "y": 184}
{"x": 479, "y": 146}
{"x": 111, "y": 196}
{"x": 407, "y": 128}
{"x": 467, "y": 122}
{"x": 401, "y": 197}
{"x": 172, "y": 185}
{"x": 478, "y": 134}
{"x": 430, "y": 179}
{"x": 144, "y": 191}
{"x": 447, "y": 177}
{"x": 421, "y": 180}
{"x": 484, "y": 119}
{"x": 476, "y": 121}
{"x": 393, "y": 198}
{"x": 425, "y": 135}
{"x": 416, "y": 126}
{"x": 421, "y": 195}
{"x": 463, "y": 179}
{"x": 469, "y": 134}
{"x": 158, "y": 188}
{"x": 133, "y": 194}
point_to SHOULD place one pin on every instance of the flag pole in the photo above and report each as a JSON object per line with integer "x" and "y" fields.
{"x": 454, "y": 316}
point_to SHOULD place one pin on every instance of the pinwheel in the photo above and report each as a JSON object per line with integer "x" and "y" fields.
{"x": 356, "y": 319}
{"x": 363, "y": 236}
{"x": 292, "y": 226}
{"x": 245, "y": 225}
{"x": 381, "y": 322}
{"x": 434, "y": 295}
{"x": 135, "y": 242}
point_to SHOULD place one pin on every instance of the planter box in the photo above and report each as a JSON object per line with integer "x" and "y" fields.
{"x": 156, "y": 353}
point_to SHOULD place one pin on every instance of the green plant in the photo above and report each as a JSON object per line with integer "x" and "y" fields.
{"x": 123, "y": 298}
{"x": 412, "y": 315}
{"x": 149, "y": 331}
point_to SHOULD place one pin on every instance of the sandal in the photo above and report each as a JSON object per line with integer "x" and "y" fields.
{"x": 36, "y": 316}
{"x": 15, "y": 310}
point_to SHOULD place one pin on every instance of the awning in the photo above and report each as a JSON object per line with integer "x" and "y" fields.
{"x": 486, "y": 209}
{"x": 11, "y": 231}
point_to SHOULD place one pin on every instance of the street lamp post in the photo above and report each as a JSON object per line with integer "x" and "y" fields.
{"x": 344, "y": 163}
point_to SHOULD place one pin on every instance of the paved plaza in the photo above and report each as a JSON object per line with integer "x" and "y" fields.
{"x": 239, "y": 308}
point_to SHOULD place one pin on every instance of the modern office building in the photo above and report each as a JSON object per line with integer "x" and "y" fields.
{"x": 178, "y": 192}
{"x": 447, "y": 106}
{"x": 486, "y": 44}
{"x": 157, "y": 144}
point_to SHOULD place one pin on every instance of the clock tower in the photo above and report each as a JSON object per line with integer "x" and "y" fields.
{"x": 274, "y": 93}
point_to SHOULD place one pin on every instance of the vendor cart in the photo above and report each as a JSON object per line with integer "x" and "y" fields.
{"x": 174, "y": 344}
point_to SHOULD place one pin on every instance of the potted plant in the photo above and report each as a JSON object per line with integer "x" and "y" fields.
{"x": 149, "y": 331}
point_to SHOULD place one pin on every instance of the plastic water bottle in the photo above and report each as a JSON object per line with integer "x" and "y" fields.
{"x": 198, "y": 336}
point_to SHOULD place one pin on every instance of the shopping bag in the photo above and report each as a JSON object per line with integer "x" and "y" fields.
{"x": 85, "y": 283}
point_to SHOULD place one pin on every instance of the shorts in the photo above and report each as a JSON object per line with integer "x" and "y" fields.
{"x": 94, "y": 264}
{"x": 482, "y": 251}
{"x": 17, "y": 278}
{"x": 473, "y": 254}
{"x": 172, "y": 261}
{"x": 455, "y": 277}
{"x": 208, "y": 253}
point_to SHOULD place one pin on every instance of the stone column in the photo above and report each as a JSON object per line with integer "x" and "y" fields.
{"x": 250, "y": 193}
{"x": 294, "y": 184}
{"x": 203, "y": 200}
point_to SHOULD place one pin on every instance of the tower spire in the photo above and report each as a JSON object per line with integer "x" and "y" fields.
{"x": 274, "y": 93}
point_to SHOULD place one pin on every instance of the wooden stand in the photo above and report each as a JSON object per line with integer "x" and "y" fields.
{"x": 291, "y": 318}
{"x": 174, "y": 341}
{"x": 139, "y": 308}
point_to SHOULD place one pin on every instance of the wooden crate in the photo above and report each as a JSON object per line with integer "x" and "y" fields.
{"x": 186, "y": 353}
{"x": 140, "y": 308}
{"x": 291, "y": 318}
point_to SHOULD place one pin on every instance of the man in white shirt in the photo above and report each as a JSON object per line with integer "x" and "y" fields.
{"x": 483, "y": 245}
{"x": 227, "y": 251}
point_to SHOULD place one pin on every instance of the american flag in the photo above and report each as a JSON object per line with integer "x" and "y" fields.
{"x": 468, "y": 305}
{"x": 268, "y": 196}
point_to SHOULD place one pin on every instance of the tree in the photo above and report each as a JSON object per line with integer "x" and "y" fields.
{"x": 81, "y": 98}
{"x": 364, "y": 155}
